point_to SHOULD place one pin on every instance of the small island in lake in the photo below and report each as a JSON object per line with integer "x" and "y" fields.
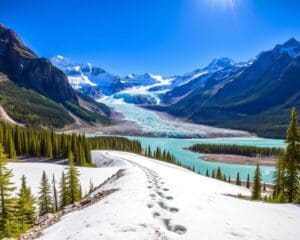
{"x": 234, "y": 154}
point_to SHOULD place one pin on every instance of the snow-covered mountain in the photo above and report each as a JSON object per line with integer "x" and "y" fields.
{"x": 138, "y": 88}
{"x": 291, "y": 47}
{"x": 143, "y": 79}
{"x": 83, "y": 75}
{"x": 187, "y": 83}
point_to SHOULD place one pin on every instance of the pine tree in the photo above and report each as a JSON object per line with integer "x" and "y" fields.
{"x": 279, "y": 175}
{"x": 292, "y": 158}
{"x": 213, "y": 175}
{"x": 11, "y": 148}
{"x": 248, "y": 181}
{"x": 55, "y": 150}
{"x": 55, "y": 200}
{"x": 238, "y": 180}
{"x": 73, "y": 180}
{"x": 149, "y": 153}
{"x": 297, "y": 200}
{"x": 25, "y": 207}
{"x": 229, "y": 179}
{"x": 64, "y": 194}
{"x": 45, "y": 198}
{"x": 7, "y": 204}
{"x": 219, "y": 173}
{"x": 207, "y": 173}
{"x": 264, "y": 187}
{"x": 18, "y": 140}
{"x": 256, "y": 190}
{"x": 49, "y": 150}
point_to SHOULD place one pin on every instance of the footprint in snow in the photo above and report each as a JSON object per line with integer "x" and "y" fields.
{"x": 165, "y": 207}
{"x": 179, "y": 229}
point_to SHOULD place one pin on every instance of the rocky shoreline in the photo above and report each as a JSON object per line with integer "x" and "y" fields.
{"x": 238, "y": 159}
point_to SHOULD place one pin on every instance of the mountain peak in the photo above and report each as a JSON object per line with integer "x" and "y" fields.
{"x": 292, "y": 41}
{"x": 291, "y": 47}
{"x": 23, "y": 66}
{"x": 9, "y": 37}
{"x": 219, "y": 63}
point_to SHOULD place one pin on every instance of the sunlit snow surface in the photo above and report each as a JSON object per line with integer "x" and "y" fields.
{"x": 162, "y": 201}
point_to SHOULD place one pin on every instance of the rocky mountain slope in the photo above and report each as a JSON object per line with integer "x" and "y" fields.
{"x": 257, "y": 98}
{"x": 36, "y": 93}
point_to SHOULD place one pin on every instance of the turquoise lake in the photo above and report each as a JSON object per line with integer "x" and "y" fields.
{"x": 175, "y": 146}
{"x": 153, "y": 123}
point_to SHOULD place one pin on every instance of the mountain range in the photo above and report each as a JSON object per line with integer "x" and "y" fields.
{"x": 256, "y": 95}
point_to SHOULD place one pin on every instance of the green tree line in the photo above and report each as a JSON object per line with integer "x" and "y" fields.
{"x": 160, "y": 154}
{"x": 250, "y": 151}
{"x": 19, "y": 141}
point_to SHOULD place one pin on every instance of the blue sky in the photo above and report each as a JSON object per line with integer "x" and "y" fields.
{"x": 159, "y": 36}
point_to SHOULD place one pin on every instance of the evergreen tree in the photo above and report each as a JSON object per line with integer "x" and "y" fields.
{"x": 55, "y": 200}
{"x": 219, "y": 173}
{"x": 11, "y": 148}
{"x": 18, "y": 140}
{"x": 7, "y": 204}
{"x": 49, "y": 150}
{"x": 64, "y": 194}
{"x": 25, "y": 207}
{"x": 264, "y": 187}
{"x": 256, "y": 190}
{"x": 149, "y": 153}
{"x": 297, "y": 200}
{"x": 55, "y": 150}
{"x": 248, "y": 181}
{"x": 73, "y": 180}
{"x": 207, "y": 173}
{"x": 45, "y": 198}
{"x": 213, "y": 175}
{"x": 292, "y": 158}
{"x": 238, "y": 180}
{"x": 229, "y": 180}
{"x": 279, "y": 175}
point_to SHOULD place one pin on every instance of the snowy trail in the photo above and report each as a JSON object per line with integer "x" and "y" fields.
{"x": 157, "y": 200}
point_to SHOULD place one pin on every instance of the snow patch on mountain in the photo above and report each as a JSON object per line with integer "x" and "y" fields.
{"x": 291, "y": 47}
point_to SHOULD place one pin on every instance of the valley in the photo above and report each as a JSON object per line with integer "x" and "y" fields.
{"x": 89, "y": 154}
{"x": 157, "y": 124}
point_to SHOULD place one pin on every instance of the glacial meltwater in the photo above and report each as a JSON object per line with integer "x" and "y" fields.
{"x": 191, "y": 159}
{"x": 154, "y": 123}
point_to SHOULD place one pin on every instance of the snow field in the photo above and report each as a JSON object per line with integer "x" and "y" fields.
{"x": 33, "y": 173}
{"x": 162, "y": 201}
